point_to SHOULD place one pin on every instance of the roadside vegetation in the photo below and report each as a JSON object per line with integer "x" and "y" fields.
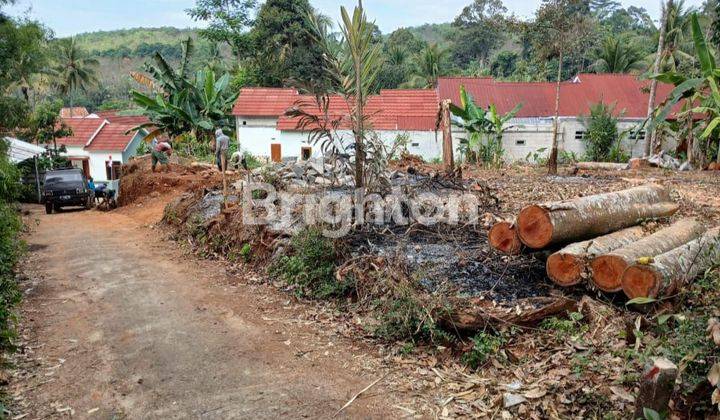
{"x": 11, "y": 247}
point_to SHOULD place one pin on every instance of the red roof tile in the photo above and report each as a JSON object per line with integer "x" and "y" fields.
{"x": 114, "y": 118}
{"x": 82, "y": 130}
{"x": 401, "y": 110}
{"x": 74, "y": 112}
{"x": 112, "y": 138}
{"x": 264, "y": 102}
{"x": 538, "y": 98}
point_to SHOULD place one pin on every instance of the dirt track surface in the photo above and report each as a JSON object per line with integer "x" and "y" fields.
{"x": 119, "y": 323}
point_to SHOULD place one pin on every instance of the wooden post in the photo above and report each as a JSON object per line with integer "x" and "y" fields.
{"x": 448, "y": 158}
{"x": 656, "y": 387}
{"x": 37, "y": 179}
{"x": 223, "y": 166}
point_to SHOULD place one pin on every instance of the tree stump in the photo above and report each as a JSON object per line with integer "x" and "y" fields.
{"x": 656, "y": 387}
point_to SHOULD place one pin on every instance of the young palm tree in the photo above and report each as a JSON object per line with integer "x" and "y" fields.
{"x": 396, "y": 56}
{"x": 617, "y": 55}
{"x": 429, "y": 65}
{"x": 74, "y": 69}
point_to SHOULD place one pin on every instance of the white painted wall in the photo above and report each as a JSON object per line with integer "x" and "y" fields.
{"x": 256, "y": 134}
{"x": 527, "y": 136}
{"x": 98, "y": 158}
{"x": 76, "y": 151}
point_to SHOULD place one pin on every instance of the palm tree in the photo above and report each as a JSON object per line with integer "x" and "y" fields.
{"x": 396, "y": 56}
{"x": 617, "y": 55}
{"x": 429, "y": 65}
{"x": 677, "y": 26}
{"x": 74, "y": 69}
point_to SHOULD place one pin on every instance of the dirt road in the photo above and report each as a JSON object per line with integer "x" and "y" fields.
{"x": 120, "y": 323}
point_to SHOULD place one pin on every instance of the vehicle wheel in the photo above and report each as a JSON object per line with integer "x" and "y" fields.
{"x": 56, "y": 208}
{"x": 113, "y": 204}
{"x": 48, "y": 208}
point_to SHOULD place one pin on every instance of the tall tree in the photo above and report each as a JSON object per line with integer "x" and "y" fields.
{"x": 285, "y": 53}
{"x": 405, "y": 40}
{"x": 481, "y": 27}
{"x": 650, "y": 137}
{"x": 560, "y": 27}
{"x": 228, "y": 22}
{"x": 75, "y": 69}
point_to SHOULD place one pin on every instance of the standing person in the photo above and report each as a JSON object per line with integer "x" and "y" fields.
{"x": 222, "y": 142}
{"x": 160, "y": 154}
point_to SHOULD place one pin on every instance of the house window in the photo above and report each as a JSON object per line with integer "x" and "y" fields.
{"x": 519, "y": 142}
{"x": 113, "y": 170}
{"x": 637, "y": 135}
{"x": 579, "y": 135}
{"x": 244, "y": 122}
{"x": 305, "y": 153}
{"x": 415, "y": 144}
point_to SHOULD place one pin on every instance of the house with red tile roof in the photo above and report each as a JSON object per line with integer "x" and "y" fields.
{"x": 264, "y": 129}
{"x": 100, "y": 147}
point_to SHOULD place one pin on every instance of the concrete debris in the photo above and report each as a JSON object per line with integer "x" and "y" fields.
{"x": 666, "y": 161}
{"x": 511, "y": 400}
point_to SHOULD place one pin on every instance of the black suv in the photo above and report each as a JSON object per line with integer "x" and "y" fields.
{"x": 66, "y": 187}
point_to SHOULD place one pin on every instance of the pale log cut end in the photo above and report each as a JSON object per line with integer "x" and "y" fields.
{"x": 565, "y": 269}
{"x": 503, "y": 236}
{"x": 535, "y": 227}
{"x": 641, "y": 281}
{"x": 607, "y": 271}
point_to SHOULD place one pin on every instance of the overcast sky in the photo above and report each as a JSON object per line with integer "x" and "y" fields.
{"x": 69, "y": 17}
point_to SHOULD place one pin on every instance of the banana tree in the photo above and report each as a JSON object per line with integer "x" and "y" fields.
{"x": 180, "y": 105}
{"x": 701, "y": 94}
{"x": 485, "y": 128}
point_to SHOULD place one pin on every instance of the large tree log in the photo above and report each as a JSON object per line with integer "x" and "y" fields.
{"x": 503, "y": 237}
{"x": 568, "y": 266}
{"x": 607, "y": 270}
{"x": 656, "y": 387}
{"x": 588, "y": 217}
{"x": 671, "y": 270}
{"x": 601, "y": 166}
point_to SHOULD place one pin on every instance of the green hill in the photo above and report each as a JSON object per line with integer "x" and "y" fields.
{"x": 136, "y": 42}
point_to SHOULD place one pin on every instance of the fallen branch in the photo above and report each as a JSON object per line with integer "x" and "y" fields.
{"x": 347, "y": 404}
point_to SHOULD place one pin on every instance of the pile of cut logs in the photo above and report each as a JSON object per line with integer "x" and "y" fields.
{"x": 604, "y": 244}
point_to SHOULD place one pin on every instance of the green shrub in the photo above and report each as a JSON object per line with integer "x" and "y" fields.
{"x": 310, "y": 266}
{"x": 407, "y": 318}
{"x": 601, "y": 139}
{"x": 485, "y": 345}
{"x": 563, "y": 328}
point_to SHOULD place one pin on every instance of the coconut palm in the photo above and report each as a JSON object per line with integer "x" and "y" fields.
{"x": 678, "y": 48}
{"x": 74, "y": 69}
{"x": 617, "y": 55}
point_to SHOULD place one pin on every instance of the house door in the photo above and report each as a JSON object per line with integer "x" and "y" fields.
{"x": 86, "y": 168}
{"x": 275, "y": 152}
